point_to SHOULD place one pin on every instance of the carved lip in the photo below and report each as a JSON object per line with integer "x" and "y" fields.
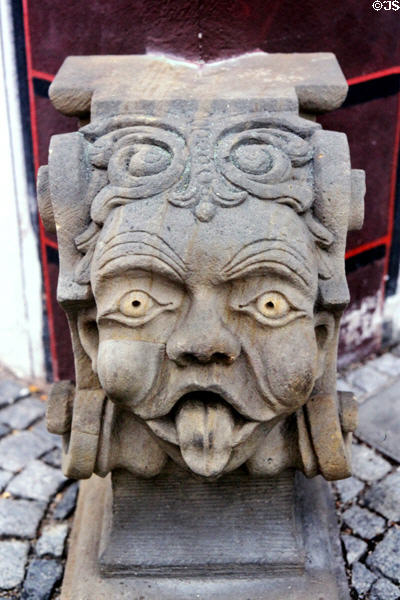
{"x": 205, "y": 393}
{"x": 165, "y": 427}
{"x": 206, "y": 388}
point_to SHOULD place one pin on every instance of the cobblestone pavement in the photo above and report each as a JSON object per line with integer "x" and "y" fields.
{"x": 37, "y": 502}
{"x": 368, "y": 504}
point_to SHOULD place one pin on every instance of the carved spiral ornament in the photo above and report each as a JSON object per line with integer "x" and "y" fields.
{"x": 141, "y": 161}
{"x": 262, "y": 160}
{"x": 214, "y": 164}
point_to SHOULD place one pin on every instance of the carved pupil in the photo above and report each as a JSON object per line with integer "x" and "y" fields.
{"x": 252, "y": 158}
{"x": 136, "y": 304}
{"x": 273, "y": 304}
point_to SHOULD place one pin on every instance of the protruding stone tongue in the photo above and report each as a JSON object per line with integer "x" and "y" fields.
{"x": 205, "y": 433}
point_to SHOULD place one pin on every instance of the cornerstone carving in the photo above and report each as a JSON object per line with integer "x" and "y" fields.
{"x": 201, "y": 224}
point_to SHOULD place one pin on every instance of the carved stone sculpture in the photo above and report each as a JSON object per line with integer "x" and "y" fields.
{"x": 201, "y": 223}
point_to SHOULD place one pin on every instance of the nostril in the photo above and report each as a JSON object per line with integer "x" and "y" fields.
{"x": 189, "y": 358}
{"x": 222, "y": 358}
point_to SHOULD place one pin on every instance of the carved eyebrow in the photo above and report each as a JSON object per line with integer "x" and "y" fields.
{"x": 151, "y": 247}
{"x": 265, "y": 243}
{"x": 140, "y": 261}
{"x": 151, "y": 239}
{"x": 266, "y": 254}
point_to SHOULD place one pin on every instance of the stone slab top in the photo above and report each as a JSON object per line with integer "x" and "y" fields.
{"x": 316, "y": 78}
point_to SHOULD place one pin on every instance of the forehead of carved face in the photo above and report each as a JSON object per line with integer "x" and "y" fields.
{"x": 160, "y": 238}
{"x": 206, "y": 328}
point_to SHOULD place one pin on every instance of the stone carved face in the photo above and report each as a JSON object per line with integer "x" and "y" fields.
{"x": 209, "y": 330}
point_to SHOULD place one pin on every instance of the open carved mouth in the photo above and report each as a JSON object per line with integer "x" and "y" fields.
{"x": 206, "y": 428}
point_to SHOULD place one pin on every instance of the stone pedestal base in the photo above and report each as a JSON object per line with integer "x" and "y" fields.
{"x": 175, "y": 538}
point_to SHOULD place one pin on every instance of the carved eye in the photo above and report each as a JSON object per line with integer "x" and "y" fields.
{"x": 136, "y": 304}
{"x": 272, "y": 309}
{"x": 273, "y": 305}
{"x": 137, "y": 307}
{"x": 252, "y": 158}
{"x": 147, "y": 159}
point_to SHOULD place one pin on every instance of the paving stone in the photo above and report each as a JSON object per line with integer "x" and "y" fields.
{"x": 52, "y": 540}
{"x": 385, "y": 557}
{"x": 67, "y": 503}
{"x": 383, "y": 589}
{"x": 18, "y": 449}
{"x": 355, "y": 548}
{"x": 388, "y": 363}
{"x": 379, "y": 421}
{"x": 362, "y": 578}
{"x": 368, "y": 379}
{"x": 21, "y": 414}
{"x": 41, "y": 578}
{"x": 13, "y": 557}
{"x": 367, "y": 464}
{"x": 10, "y": 390}
{"x": 20, "y": 517}
{"x": 349, "y": 488}
{"x": 53, "y": 458}
{"x": 363, "y": 522}
{"x": 5, "y": 477}
{"x": 384, "y": 497}
{"x": 4, "y": 429}
{"x": 37, "y": 481}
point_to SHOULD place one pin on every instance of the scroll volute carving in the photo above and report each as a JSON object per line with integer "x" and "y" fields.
{"x": 202, "y": 273}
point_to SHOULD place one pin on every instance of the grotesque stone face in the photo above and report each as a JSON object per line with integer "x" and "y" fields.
{"x": 201, "y": 226}
{"x": 204, "y": 285}
{"x": 208, "y": 331}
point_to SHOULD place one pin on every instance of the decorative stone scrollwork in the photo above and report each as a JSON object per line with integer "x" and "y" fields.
{"x": 263, "y": 156}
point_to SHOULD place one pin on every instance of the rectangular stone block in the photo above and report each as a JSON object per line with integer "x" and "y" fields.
{"x": 178, "y": 525}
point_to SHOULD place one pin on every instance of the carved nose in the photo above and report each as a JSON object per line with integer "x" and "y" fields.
{"x": 203, "y": 341}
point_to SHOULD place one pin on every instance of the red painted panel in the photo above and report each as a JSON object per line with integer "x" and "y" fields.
{"x": 119, "y": 27}
{"x": 364, "y": 40}
{"x": 371, "y": 129}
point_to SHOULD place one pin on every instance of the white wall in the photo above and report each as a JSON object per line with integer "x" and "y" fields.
{"x": 21, "y": 346}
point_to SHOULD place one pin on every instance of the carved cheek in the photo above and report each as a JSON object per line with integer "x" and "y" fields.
{"x": 128, "y": 369}
{"x": 290, "y": 362}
